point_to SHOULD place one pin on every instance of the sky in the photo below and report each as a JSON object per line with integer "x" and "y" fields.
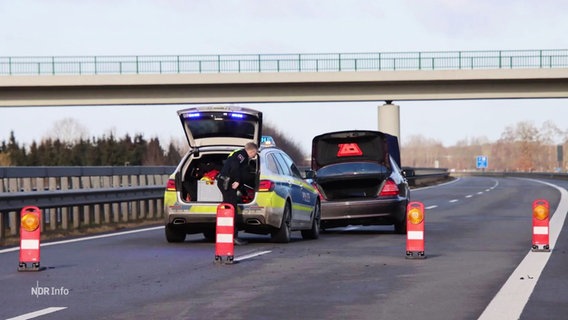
{"x": 192, "y": 27}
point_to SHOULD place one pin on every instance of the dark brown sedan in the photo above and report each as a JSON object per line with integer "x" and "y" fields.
{"x": 359, "y": 179}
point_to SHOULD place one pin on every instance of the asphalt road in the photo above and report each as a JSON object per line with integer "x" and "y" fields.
{"x": 478, "y": 233}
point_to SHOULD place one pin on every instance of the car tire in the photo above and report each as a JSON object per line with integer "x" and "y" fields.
{"x": 210, "y": 235}
{"x": 174, "y": 235}
{"x": 282, "y": 235}
{"x": 314, "y": 232}
{"x": 400, "y": 226}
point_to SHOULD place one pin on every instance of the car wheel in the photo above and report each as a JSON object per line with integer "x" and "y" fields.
{"x": 174, "y": 235}
{"x": 282, "y": 235}
{"x": 210, "y": 235}
{"x": 314, "y": 232}
{"x": 400, "y": 227}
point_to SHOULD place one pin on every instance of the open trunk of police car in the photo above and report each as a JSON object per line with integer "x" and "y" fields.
{"x": 199, "y": 179}
{"x": 351, "y": 164}
{"x": 213, "y": 133}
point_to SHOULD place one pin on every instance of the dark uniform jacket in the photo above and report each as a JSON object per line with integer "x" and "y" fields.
{"x": 235, "y": 164}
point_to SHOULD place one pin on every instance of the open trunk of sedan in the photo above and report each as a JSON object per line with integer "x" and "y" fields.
{"x": 351, "y": 164}
{"x": 351, "y": 181}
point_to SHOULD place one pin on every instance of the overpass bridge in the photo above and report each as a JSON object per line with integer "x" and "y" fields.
{"x": 204, "y": 79}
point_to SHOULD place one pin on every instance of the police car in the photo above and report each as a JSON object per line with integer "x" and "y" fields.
{"x": 274, "y": 199}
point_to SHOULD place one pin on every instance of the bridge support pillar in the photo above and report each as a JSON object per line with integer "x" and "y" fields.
{"x": 389, "y": 119}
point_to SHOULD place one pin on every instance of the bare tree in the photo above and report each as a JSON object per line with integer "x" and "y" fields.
{"x": 68, "y": 130}
{"x": 154, "y": 155}
{"x": 524, "y": 136}
{"x": 551, "y": 138}
{"x": 180, "y": 144}
{"x": 419, "y": 151}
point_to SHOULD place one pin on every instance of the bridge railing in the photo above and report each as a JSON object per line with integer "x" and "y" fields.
{"x": 311, "y": 62}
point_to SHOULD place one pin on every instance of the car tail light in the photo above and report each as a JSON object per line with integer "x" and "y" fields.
{"x": 315, "y": 185}
{"x": 171, "y": 186}
{"x": 389, "y": 189}
{"x": 247, "y": 196}
{"x": 266, "y": 186}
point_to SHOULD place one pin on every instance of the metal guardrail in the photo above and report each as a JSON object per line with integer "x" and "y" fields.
{"x": 312, "y": 62}
{"x": 76, "y": 198}
{"x": 532, "y": 175}
{"x": 68, "y": 171}
{"x": 14, "y": 201}
{"x": 83, "y": 208}
{"x": 424, "y": 176}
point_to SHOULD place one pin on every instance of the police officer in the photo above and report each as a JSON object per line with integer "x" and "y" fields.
{"x": 231, "y": 177}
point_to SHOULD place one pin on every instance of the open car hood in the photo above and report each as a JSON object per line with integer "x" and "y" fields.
{"x": 353, "y": 146}
{"x": 221, "y": 126}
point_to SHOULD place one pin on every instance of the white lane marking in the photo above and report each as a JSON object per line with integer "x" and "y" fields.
{"x": 87, "y": 238}
{"x": 351, "y": 228}
{"x": 511, "y": 299}
{"x": 38, "y": 313}
{"x": 454, "y": 200}
{"x": 487, "y": 190}
{"x": 495, "y": 185}
{"x": 251, "y": 255}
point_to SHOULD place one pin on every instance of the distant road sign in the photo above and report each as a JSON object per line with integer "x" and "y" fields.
{"x": 481, "y": 162}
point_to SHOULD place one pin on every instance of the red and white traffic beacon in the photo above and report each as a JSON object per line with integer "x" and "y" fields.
{"x": 30, "y": 226}
{"x": 225, "y": 232}
{"x": 541, "y": 222}
{"x": 415, "y": 231}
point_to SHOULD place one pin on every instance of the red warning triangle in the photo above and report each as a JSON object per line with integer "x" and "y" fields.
{"x": 349, "y": 150}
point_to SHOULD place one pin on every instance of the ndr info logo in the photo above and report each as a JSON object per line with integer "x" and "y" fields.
{"x": 48, "y": 291}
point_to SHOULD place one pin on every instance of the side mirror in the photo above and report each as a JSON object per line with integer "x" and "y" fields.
{"x": 408, "y": 172}
{"x": 310, "y": 174}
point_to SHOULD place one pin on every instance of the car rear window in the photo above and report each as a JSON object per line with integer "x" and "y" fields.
{"x": 220, "y": 125}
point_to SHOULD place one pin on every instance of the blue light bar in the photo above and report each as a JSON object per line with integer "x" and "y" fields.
{"x": 193, "y": 115}
{"x": 237, "y": 115}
